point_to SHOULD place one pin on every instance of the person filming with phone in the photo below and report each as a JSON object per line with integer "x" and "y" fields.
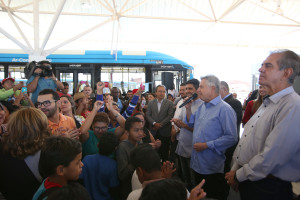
{"x": 42, "y": 78}
{"x": 10, "y": 91}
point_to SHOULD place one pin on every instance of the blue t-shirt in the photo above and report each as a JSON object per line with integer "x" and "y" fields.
{"x": 42, "y": 84}
{"x": 90, "y": 146}
{"x": 99, "y": 174}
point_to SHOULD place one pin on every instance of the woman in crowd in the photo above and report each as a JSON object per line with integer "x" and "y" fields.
{"x": 253, "y": 105}
{"x": 82, "y": 104}
{"x": 20, "y": 147}
{"x": 9, "y": 108}
{"x": 67, "y": 107}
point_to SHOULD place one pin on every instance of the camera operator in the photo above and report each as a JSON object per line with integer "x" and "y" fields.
{"x": 42, "y": 78}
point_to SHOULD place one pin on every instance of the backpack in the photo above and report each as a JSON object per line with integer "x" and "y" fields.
{"x": 29, "y": 69}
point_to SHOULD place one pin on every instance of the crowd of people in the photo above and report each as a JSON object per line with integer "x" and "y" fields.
{"x": 96, "y": 145}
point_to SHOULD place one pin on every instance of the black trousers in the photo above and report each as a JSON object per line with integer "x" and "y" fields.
{"x": 164, "y": 150}
{"x": 266, "y": 189}
{"x": 215, "y": 185}
{"x": 186, "y": 171}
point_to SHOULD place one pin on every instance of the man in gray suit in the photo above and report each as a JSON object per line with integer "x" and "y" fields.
{"x": 159, "y": 113}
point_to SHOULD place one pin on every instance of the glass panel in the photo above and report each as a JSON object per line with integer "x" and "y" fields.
{"x": 84, "y": 78}
{"x": 132, "y": 77}
{"x": 2, "y": 72}
{"x": 17, "y": 73}
{"x": 69, "y": 78}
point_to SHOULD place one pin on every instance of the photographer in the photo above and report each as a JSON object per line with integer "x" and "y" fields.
{"x": 42, "y": 78}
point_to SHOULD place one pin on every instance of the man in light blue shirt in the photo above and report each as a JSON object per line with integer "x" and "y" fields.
{"x": 39, "y": 81}
{"x": 185, "y": 137}
{"x": 214, "y": 131}
{"x": 267, "y": 158}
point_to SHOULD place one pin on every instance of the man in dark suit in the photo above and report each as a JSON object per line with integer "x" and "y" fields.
{"x": 159, "y": 113}
{"x": 237, "y": 107}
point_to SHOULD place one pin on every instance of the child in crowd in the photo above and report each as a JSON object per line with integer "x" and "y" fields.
{"x": 60, "y": 162}
{"x": 134, "y": 130}
{"x": 99, "y": 173}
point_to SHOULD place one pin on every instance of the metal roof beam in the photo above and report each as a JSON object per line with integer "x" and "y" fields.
{"x": 230, "y": 9}
{"x": 212, "y": 10}
{"x": 133, "y": 7}
{"x": 105, "y": 6}
{"x": 47, "y": 52}
{"x": 274, "y": 12}
{"x": 190, "y": 7}
{"x": 53, "y": 23}
{"x": 36, "y": 24}
{"x": 25, "y": 48}
{"x": 16, "y": 24}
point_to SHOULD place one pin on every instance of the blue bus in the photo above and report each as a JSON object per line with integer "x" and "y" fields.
{"x": 131, "y": 68}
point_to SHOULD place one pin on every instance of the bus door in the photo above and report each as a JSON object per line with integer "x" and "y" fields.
{"x": 78, "y": 77}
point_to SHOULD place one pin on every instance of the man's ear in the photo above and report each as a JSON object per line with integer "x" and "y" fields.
{"x": 60, "y": 170}
{"x": 140, "y": 174}
{"x": 288, "y": 72}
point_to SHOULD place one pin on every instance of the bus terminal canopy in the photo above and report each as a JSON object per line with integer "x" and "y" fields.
{"x": 42, "y": 27}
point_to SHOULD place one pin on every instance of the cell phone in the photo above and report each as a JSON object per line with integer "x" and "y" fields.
{"x": 142, "y": 86}
{"x": 143, "y": 103}
{"x": 24, "y": 90}
{"x": 106, "y": 84}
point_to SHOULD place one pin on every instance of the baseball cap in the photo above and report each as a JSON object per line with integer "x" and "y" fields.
{"x": 13, "y": 80}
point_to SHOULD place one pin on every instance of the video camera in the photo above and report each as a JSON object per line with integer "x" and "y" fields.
{"x": 46, "y": 67}
{"x": 32, "y": 66}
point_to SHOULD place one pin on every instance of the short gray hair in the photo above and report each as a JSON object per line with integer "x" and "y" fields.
{"x": 212, "y": 80}
{"x": 288, "y": 59}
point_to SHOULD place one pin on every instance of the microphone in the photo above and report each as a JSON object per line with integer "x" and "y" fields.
{"x": 194, "y": 96}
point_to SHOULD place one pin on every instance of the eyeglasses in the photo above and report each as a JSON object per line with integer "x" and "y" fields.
{"x": 100, "y": 128}
{"x": 45, "y": 103}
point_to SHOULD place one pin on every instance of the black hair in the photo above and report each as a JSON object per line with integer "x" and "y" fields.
{"x": 129, "y": 91}
{"x": 129, "y": 122}
{"x": 145, "y": 157}
{"x": 107, "y": 143}
{"x": 182, "y": 84}
{"x": 194, "y": 82}
{"x": 57, "y": 151}
{"x": 50, "y": 91}
{"x": 9, "y": 106}
{"x": 72, "y": 190}
{"x": 165, "y": 189}
{"x": 65, "y": 83}
{"x": 139, "y": 113}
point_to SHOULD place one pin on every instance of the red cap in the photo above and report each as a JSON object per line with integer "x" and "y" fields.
{"x": 13, "y": 80}
{"x": 134, "y": 91}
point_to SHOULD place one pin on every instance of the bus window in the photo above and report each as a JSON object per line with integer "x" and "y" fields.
{"x": 17, "y": 73}
{"x": 132, "y": 77}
